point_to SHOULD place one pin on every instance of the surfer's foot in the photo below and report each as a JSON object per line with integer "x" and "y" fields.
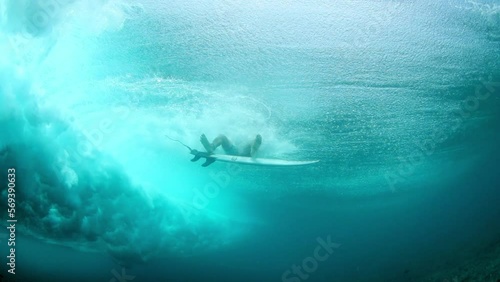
{"x": 258, "y": 140}
{"x": 206, "y": 144}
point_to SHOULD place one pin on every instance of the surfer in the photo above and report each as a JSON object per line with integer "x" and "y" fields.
{"x": 234, "y": 155}
{"x": 249, "y": 150}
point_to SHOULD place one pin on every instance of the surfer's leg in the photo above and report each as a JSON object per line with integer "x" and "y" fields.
{"x": 224, "y": 141}
{"x": 255, "y": 145}
{"x": 228, "y": 147}
{"x": 206, "y": 144}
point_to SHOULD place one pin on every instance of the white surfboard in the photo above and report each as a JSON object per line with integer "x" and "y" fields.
{"x": 259, "y": 161}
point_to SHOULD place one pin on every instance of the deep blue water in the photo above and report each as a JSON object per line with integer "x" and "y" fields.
{"x": 399, "y": 100}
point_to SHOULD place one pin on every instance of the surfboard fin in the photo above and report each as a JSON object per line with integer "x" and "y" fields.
{"x": 195, "y": 158}
{"x": 208, "y": 162}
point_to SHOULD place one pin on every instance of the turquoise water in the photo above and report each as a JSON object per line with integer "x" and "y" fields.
{"x": 399, "y": 101}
